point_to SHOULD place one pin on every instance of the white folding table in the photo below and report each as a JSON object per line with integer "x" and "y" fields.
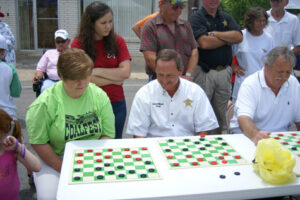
{"x": 191, "y": 183}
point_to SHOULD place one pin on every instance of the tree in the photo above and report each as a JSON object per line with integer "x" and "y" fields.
{"x": 237, "y": 8}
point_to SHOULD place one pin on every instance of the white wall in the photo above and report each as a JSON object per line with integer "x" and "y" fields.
{"x": 68, "y": 16}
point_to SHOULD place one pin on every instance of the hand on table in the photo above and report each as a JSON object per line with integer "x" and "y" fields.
{"x": 260, "y": 135}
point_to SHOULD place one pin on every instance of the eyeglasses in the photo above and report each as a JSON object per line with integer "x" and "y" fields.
{"x": 60, "y": 41}
{"x": 180, "y": 5}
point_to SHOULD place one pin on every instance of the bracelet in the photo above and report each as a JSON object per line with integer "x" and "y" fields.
{"x": 17, "y": 143}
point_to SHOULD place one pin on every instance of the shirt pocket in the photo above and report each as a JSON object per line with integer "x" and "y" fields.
{"x": 286, "y": 38}
{"x": 159, "y": 113}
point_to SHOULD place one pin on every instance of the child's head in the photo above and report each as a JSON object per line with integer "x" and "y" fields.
{"x": 3, "y": 46}
{"x": 8, "y": 126}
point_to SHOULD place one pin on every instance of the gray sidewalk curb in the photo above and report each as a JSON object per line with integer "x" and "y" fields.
{"x": 27, "y": 74}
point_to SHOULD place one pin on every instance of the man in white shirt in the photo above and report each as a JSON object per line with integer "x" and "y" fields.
{"x": 268, "y": 100}
{"x": 283, "y": 26}
{"x": 170, "y": 105}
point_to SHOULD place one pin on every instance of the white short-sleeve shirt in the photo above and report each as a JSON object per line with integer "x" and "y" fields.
{"x": 155, "y": 114}
{"x": 268, "y": 112}
{"x": 286, "y": 31}
{"x": 6, "y": 101}
{"x": 251, "y": 53}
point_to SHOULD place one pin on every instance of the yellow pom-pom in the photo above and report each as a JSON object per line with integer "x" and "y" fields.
{"x": 274, "y": 164}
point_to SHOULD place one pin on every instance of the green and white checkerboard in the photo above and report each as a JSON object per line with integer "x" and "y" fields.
{"x": 199, "y": 151}
{"x": 112, "y": 164}
{"x": 290, "y": 141}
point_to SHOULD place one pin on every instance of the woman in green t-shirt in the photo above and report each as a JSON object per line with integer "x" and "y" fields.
{"x": 72, "y": 109}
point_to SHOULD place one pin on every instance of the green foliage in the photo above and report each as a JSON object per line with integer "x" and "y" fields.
{"x": 237, "y": 8}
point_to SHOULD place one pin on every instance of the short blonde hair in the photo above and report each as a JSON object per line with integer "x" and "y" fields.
{"x": 74, "y": 64}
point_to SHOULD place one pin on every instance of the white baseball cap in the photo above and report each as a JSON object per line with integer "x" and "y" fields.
{"x": 61, "y": 33}
{"x": 3, "y": 44}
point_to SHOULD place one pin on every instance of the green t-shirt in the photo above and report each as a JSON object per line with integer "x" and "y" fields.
{"x": 56, "y": 118}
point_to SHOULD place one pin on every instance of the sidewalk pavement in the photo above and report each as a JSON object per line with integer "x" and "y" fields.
{"x": 26, "y": 62}
{"x": 27, "y": 74}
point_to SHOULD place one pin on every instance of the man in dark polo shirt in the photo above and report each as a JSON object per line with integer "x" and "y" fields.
{"x": 168, "y": 31}
{"x": 215, "y": 32}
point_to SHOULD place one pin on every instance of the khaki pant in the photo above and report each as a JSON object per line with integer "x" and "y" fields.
{"x": 217, "y": 87}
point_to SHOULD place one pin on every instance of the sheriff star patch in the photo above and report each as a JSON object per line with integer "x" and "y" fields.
{"x": 188, "y": 102}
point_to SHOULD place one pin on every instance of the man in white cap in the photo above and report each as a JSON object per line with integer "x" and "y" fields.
{"x": 47, "y": 63}
{"x": 10, "y": 85}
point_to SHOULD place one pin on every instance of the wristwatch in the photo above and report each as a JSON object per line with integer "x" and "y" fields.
{"x": 212, "y": 33}
{"x": 188, "y": 74}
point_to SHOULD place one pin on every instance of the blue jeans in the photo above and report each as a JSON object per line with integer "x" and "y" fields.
{"x": 119, "y": 109}
{"x": 47, "y": 83}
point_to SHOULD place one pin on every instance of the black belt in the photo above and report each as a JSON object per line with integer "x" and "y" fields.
{"x": 219, "y": 68}
{"x": 205, "y": 67}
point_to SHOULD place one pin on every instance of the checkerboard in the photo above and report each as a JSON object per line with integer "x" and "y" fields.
{"x": 290, "y": 141}
{"x": 204, "y": 151}
{"x": 112, "y": 164}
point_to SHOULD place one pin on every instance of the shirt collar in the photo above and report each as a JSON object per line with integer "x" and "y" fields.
{"x": 284, "y": 19}
{"x": 160, "y": 20}
{"x": 164, "y": 92}
{"x": 208, "y": 15}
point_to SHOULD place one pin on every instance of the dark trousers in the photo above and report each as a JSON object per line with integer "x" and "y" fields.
{"x": 119, "y": 109}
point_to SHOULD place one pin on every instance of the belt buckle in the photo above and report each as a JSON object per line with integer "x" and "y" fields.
{"x": 219, "y": 68}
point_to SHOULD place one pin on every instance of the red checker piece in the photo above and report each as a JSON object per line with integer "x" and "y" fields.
{"x": 225, "y": 153}
{"x": 194, "y": 163}
{"x": 98, "y": 153}
{"x": 98, "y": 160}
{"x": 80, "y": 154}
{"x": 79, "y": 161}
{"x": 285, "y": 143}
{"x": 294, "y": 134}
{"x": 280, "y": 134}
{"x": 213, "y": 163}
{"x": 237, "y": 157}
{"x": 224, "y": 161}
{"x": 202, "y": 136}
{"x": 176, "y": 164}
{"x": 200, "y": 159}
{"x": 134, "y": 151}
{"x": 298, "y": 142}
{"x": 169, "y": 157}
{"x": 107, "y": 156}
{"x": 127, "y": 156}
{"x": 276, "y": 138}
{"x": 138, "y": 159}
{"x": 90, "y": 150}
{"x": 126, "y": 149}
{"x": 144, "y": 148}
{"x": 109, "y": 149}
{"x": 189, "y": 156}
{"x": 221, "y": 157}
